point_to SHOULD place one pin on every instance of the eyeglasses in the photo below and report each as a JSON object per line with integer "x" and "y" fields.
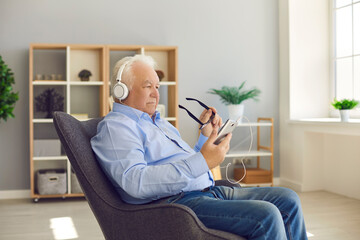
{"x": 202, "y": 125}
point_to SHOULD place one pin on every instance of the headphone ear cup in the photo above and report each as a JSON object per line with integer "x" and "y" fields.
{"x": 120, "y": 91}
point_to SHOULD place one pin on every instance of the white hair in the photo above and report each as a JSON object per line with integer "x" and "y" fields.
{"x": 128, "y": 74}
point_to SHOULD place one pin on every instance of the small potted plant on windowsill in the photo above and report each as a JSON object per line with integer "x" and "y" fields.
{"x": 233, "y": 98}
{"x": 344, "y": 106}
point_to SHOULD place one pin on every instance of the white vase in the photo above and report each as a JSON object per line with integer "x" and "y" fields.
{"x": 236, "y": 112}
{"x": 344, "y": 115}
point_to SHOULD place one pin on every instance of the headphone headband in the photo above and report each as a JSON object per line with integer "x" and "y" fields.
{"x": 120, "y": 90}
{"x": 121, "y": 69}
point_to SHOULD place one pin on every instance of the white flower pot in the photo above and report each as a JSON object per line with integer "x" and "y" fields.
{"x": 236, "y": 112}
{"x": 344, "y": 115}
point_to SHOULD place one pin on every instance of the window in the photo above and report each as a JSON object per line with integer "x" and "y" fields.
{"x": 346, "y": 49}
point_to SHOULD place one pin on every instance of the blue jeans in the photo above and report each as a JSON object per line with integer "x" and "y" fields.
{"x": 255, "y": 213}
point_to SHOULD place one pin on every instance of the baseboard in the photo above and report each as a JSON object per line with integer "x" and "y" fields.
{"x": 15, "y": 194}
{"x": 276, "y": 181}
{"x": 296, "y": 186}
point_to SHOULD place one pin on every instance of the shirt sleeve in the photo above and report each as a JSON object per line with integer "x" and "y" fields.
{"x": 122, "y": 156}
{"x": 202, "y": 139}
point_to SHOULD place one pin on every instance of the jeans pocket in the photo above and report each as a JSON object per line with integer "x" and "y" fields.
{"x": 175, "y": 198}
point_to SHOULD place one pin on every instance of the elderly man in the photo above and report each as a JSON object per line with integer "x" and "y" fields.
{"x": 147, "y": 162}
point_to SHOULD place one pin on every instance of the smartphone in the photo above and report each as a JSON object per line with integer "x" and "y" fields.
{"x": 226, "y": 128}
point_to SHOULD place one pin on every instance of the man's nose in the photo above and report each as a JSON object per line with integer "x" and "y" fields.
{"x": 155, "y": 92}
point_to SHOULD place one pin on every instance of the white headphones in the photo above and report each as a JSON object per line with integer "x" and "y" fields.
{"x": 120, "y": 90}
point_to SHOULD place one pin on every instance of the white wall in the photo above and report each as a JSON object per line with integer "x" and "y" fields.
{"x": 220, "y": 43}
{"x": 304, "y": 76}
{"x": 313, "y": 155}
{"x": 309, "y": 34}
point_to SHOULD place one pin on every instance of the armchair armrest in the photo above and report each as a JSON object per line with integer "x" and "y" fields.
{"x": 164, "y": 221}
{"x": 224, "y": 182}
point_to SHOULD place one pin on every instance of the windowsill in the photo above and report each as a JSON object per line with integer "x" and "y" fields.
{"x": 326, "y": 126}
{"x": 324, "y": 121}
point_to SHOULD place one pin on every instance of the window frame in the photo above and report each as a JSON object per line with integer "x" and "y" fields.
{"x": 355, "y": 113}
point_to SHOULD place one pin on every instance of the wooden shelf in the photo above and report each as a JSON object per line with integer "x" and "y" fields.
{"x": 52, "y": 82}
{"x": 90, "y": 98}
{"x": 254, "y": 124}
{"x": 166, "y": 61}
{"x": 170, "y": 119}
{"x": 65, "y": 60}
{"x": 42, "y": 120}
{"x": 248, "y": 154}
{"x": 167, "y": 83}
{"x": 94, "y": 83}
{"x": 50, "y": 158}
{"x": 259, "y": 175}
{"x": 36, "y": 197}
{"x": 254, "y": 176}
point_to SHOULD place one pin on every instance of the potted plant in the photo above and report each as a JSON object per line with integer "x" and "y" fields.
{"x": 84, "y": 75}
{"x": 233, "y": 98}
{"x": 7, "y": 97}
{"x": 344, "y": 106}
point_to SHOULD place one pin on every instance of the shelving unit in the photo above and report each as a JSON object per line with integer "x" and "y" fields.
{"x": 166, "y": 59}
{"x": 63, "y": 62}
{"x": 257, "y": 175}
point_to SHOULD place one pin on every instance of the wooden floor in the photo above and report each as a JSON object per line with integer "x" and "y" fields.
{"x": 331, "y": 216}
{"x": 327, "y": 216}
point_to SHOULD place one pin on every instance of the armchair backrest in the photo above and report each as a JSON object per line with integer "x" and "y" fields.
{"x": 75, "y": 137}
{"x": 117, "y": 219}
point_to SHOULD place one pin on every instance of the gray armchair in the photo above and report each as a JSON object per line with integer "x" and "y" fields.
{"x": 117, "y": 219}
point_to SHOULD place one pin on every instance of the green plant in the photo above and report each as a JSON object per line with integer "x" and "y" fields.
{"x": 7, "y": 97}
{"x": 235, "y": 95}
{"x": 344, "y": 104}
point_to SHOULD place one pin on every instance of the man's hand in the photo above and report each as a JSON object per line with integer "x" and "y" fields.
{"x": 216, "y": 121}
{"x": 215, "y": 154}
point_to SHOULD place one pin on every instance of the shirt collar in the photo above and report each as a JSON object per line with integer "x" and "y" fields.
{"x": 133, "y": 112}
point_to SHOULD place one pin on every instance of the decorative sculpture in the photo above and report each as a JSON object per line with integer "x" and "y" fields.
{"x": 84, "y": 75}
{"x": 49, "y": 101}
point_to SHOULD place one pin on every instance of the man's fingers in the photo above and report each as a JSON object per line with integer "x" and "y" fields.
{"x": 213, "y": 134}
{"x": 203, "y": 114}
{"x": 220, "y": 122}
{"x": 226, "y": 141}
{"x": 213, "y": 110}
{"x": 207, "y": 114}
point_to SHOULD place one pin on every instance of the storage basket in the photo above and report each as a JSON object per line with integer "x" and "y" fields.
{"x": 51, "y": 181}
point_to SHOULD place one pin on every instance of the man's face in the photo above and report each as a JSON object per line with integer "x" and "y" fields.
{"x": 144, "y": 94}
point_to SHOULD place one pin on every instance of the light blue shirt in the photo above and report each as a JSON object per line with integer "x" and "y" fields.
{"x": 146, "y": 159}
